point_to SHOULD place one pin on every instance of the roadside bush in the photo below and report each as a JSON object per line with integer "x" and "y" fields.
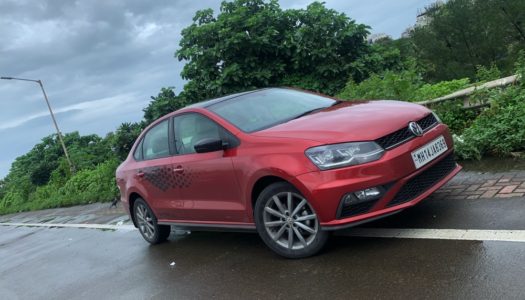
{"x": 389, "y": 85}
{"x": 454, "y": 115}
{"x": 487, "y": 74}
{"x": 90, "y": 185}
{"x": 431, "y": 91}
{"x": 498, "y": 130}
{"x": 86, "y": 186}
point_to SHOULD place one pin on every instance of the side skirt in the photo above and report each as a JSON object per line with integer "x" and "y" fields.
{"x": 211, "y": 227}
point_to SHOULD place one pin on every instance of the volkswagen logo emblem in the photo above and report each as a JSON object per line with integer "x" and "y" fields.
{"x": 415, "y": 129}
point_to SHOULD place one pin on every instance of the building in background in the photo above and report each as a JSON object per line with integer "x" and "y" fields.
{"x": 372, "y": 38}
{"x": 423, "y": 17}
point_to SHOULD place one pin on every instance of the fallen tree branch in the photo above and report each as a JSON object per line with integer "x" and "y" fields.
{"x": 469, "y": 91}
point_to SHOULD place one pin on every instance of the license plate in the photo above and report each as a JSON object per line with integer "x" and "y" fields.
{"x": 427, "y": 153}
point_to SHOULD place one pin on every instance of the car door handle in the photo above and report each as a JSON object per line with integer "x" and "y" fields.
{"x": 139, "y": 174}
{"x": 178, "y": 169}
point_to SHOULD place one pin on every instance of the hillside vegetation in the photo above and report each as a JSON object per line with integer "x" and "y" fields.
{"x": 251, "y": 44}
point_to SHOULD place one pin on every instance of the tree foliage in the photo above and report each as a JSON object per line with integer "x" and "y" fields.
{"x": 124, "y": 137}
{"x": 387, "y": 85}
{"x": 165, "y": 102}
{"x": 464, "y": 34}
{"x": 254, "y": 43}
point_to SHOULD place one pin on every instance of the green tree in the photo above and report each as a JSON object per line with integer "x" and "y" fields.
{"x": 324, "y": 45}
{"x": 165, "y": 102}
{"x": 465, "y": 34}
{"x": 124, "y": 137}
{"x": 383, "y": 55}
{"x": 254, "y": 43}
{"x": 2, "y": 188}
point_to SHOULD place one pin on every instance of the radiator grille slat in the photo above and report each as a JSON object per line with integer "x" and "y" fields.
{"x": 402, "y": 135}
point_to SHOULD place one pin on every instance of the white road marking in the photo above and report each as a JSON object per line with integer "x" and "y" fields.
{"x": 400, "y": 233}
{"x": 91, "y": 226}
{"x": 439, "y": 234}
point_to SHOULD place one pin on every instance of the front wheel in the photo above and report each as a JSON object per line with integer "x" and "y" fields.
{"x": 146, "y": 221}
{"x": 287, "y": 223}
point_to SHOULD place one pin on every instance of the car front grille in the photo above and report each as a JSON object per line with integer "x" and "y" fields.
{"x": 427, "y": 122}
{"x": 402, "y": 135}
{"x": 426, "y": 179}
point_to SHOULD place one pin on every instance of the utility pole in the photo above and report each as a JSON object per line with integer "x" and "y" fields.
{"x": 60, "y": 138}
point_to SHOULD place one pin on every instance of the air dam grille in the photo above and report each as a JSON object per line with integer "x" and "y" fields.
{"x": 357, "y": 209}
{"x": 422, "y": 182}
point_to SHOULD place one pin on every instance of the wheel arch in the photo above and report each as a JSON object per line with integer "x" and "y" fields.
{"x": 264, "y": 181}
{"x": 261, "y": 184}
{"x": 132, "y": 198}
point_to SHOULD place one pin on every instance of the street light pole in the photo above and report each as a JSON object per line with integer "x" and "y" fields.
{"x": 61, "y": 139}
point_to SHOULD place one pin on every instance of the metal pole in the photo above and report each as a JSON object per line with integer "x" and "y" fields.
{"x": 71, "y": 167}
{"x": 60, "y": 138}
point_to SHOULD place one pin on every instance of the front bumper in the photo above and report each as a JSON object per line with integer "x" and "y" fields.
{"x": 395, "y": 170}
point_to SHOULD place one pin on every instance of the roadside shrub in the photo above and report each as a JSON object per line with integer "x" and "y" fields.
{"x": 91, "y": 185}
{"x": 499, "y": 129}
{"x": 86, "y": 186}
{"x": 465, "y": 150}
{"x": 484, "y": 74}
{"x": 11, "y": 199}
{"x": 389, "y": 85}
{"x": 431, "y": 91}
{"x": 454, "y": 115}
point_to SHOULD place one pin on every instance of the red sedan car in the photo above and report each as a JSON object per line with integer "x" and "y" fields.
{"x": 290, "y": 164}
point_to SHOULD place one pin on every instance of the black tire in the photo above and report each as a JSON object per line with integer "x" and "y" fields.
{"x": 152, "y": 232}
{"x": 268, "y": 221}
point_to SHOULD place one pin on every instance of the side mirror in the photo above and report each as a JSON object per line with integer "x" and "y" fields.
{"x": 210, "y": 145}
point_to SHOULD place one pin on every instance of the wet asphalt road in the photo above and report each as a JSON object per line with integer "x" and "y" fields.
{"x": 65, "y": 263}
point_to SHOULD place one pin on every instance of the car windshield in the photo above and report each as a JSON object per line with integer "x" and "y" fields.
{"x": 263, "y": 109}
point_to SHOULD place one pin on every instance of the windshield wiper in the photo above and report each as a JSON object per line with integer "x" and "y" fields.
{"x": 308, "y": 112}
{"x": 315, "y": 109}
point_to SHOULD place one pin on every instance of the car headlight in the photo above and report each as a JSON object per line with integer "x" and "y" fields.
{"x": 343, "y": 155}
{"x": 437, "y": 117}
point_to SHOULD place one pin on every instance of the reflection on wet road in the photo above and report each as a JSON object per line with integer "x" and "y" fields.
{"x": 59, "y": 263}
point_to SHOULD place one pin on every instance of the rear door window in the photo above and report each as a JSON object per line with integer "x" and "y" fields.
{"x": 156, "y": 142}
{"x": 138, "y": 151}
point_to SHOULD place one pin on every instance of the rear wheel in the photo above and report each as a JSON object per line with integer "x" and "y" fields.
{"x": 146, "y": 221}
{"x": 287, "y": 223}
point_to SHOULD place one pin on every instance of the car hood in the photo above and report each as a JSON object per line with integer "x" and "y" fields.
{"x": 349, "y": 121}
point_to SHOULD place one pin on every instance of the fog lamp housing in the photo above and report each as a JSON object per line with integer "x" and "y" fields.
{"x": 360, "y": 202}
{"x": 365, "y": 195}
{"x": 369, "y": 194}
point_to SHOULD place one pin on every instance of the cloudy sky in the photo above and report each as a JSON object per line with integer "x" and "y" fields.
{"x": 101, "y": 60}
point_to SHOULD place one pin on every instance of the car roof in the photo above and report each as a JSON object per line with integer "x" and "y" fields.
{"x": 208, "y": 103}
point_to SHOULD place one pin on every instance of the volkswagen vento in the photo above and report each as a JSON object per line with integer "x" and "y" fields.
{"x": 290, "y": 164}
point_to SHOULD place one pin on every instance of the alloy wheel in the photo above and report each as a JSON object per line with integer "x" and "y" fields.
{"x": 145, "y": 221}
{"x": 290, "y": 220}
